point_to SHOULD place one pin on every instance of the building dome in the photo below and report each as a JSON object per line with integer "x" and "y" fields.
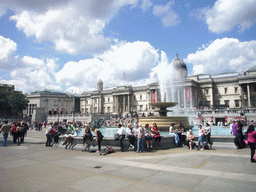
{"x": 179, "y": 64}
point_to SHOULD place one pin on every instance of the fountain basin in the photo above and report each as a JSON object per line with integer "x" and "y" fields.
{"x": 164, "y": 123}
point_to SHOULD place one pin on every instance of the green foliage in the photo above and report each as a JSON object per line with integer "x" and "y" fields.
{"x": 12, "y": 105}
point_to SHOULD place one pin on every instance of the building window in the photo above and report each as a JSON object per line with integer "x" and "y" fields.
{"x": 140, "y": 97}
{"x": 206, "y": 91}
{"x": 226, "y": 90}
{"x": 226, "y": 103}
{"x": 207, "y": 103}
{"x": 236, "y": 103}
{"x": 134, "y": 98}
{"x": 236, "y": 89}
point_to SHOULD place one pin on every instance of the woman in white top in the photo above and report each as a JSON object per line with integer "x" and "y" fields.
{"x": 173, "y": 132}
{"x": 200, "y": 137}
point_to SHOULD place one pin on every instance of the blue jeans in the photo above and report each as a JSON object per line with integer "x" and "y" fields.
{"x": 121, "y": 138}
{"x": 176, "y": 137}
{"x": 201, "y": 140}
{"x": 5, "y": 136}
{"x": 140, "y": 144}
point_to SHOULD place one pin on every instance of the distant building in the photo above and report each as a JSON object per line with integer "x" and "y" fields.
{"x": 7, "y": 89}
{"x": 50, "y": 103}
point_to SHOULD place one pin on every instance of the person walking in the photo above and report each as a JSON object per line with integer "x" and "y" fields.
{"x": 252, "y": 141}
{"x": 5, "y": 129}
{"x": 235, "y": 128}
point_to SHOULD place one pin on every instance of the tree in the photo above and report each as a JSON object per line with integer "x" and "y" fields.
{"x": 18, "y": 103}
{"x": 12, "y": 105}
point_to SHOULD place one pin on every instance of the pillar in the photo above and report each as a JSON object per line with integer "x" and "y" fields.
{"x": 129, "y": 104}
{"x": 185, "y": 98}
{"x": 249, "y": 95}
{"x": 123, "y": 103}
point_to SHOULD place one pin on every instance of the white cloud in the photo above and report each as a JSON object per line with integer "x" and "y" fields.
{"x": 224, "y": 55}
{"x": 146, "y": 4}
{"x": 227, "y": 14}
{"x": 7, "y": 52}
{"x": 74, "y": 28}
{"x": 135, "y": 60}
{"x": 34, "y": 74}
{"x": 169, "y": 16}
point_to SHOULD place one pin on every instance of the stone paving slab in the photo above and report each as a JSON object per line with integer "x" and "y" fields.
{"x": 34, "y": 167}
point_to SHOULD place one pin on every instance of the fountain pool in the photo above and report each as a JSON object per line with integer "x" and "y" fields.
{"x": 216, "y": 131}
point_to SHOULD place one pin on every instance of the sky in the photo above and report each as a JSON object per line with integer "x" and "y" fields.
{"x": 69, "y": 45}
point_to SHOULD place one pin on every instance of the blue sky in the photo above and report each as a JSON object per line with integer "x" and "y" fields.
{"x": 68, "y": 45}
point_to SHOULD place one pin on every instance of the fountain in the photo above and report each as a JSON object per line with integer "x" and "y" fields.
{"x": 167, "y": 75}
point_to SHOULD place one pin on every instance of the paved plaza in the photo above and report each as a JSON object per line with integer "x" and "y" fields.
{"x": 34, "y": 167}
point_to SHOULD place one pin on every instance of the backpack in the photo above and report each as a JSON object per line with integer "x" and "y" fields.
{"x": 107, "y": 151}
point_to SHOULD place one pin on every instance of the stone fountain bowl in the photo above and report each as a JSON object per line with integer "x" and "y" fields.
{"x": 164, "y": 104}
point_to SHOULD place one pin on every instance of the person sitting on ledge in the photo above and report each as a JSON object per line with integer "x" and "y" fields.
{"x": 156, "y": 134}
{"x": 131, "y": 135}
{"x": 121, "y": 132}
{"x": 69, "y": 132}
{"x": 173, "y": 132}
{"x": 190, "y": 138}
{"x": 182, "y": 134}
{"x": 148, "y": 136}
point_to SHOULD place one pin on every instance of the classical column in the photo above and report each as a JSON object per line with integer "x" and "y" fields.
{"x": 185, "y": 99}
{"x": 178, "y": 97}
{"x": 242, "y": 96}
{"x": 98, "y": 105}
{"x": 191, "y": 98}
{"x": 249, "y": 95}
{"x": 129, "y": 104}
{"x": 211, "y": 93}
{"x": 113, "y": 104}
{"x": 123, "y": 103}
{"x": 117, "y": 106}
{"x": 92, "y": 105}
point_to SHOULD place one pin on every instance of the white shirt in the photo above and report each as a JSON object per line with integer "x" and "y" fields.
{"x": 130, "y": 131}
{"x": 121, "y": 131}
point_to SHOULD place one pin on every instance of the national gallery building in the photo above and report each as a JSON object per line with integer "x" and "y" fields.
{"x": 205, "y": 94}
{"x": 198, "y": 92}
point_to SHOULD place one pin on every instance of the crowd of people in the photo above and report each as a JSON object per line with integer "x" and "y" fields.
{"x": 137, "y": 135}
{"x": 17, "y": 129}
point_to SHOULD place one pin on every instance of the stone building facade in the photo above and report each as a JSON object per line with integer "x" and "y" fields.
{"x": 51, "y": 103}
{"x": 197, "y": 92}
